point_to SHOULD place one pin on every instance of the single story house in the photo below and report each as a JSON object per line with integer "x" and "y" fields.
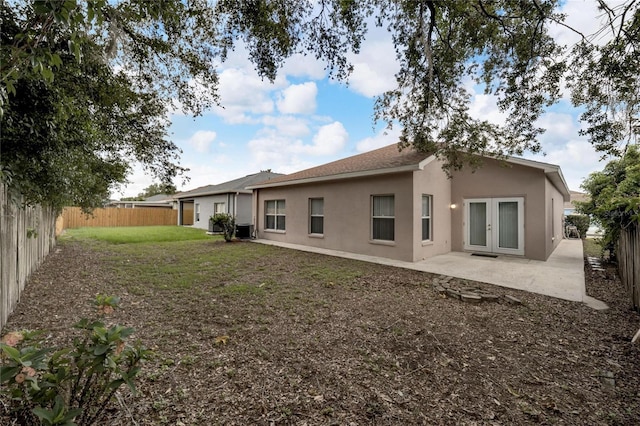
{"x": 196, "y": 206}
{"x": 402, "y": 205}
{"x": 155, "y": 201}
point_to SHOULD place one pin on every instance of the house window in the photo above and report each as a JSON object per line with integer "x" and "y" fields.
{"x": 426, "y": 217}
{"x": 218, "y": 208}
{"x": 383, "y": 217}
{"x": 197, "y": 212}
{"x": 316, "y": 213}
{"x": 275, "y": 215}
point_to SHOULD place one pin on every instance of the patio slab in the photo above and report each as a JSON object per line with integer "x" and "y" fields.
{"x": 560, "y": 276}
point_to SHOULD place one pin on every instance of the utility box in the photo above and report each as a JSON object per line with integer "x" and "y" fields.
{"x": 244, "y": 231}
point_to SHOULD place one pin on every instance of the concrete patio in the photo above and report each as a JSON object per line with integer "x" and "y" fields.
{"x": 561, "y": 276}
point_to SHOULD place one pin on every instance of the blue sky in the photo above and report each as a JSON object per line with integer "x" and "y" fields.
{"x": 303, "y": 119}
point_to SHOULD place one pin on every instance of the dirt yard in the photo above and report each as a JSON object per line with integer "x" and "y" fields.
{"x": 315, "y": 340}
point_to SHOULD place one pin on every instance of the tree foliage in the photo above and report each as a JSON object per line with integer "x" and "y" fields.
{"x": 151, "y": 190}
{"x": 442, "y": 47}
{"x": 605, "y": 79}
{"x": 103, "y": 74}
{"x": 85, "y": 91}
{"x": 614, "y": 194}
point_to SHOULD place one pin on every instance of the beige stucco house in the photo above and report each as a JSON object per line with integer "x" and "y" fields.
{"x": 401, "y": 205}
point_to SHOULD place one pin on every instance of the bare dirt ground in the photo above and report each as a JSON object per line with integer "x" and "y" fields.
{"x": 315, "y": 340}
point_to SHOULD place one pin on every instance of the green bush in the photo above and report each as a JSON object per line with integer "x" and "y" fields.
{"x": 227, "y": 222}
{"x": 580, "y": 221}
{"x": 73, "y": 385}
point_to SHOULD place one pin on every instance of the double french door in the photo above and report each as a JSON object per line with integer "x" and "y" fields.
{"x": 494, "y": 225}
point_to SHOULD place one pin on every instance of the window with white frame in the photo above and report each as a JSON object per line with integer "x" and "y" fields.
{"x": 316, "y": 215}
{"x": 219, "y": 208}
{"x": 383, "y": 217}
{"x": 197, "y": 212}
{"x": 274, "y": 215}
{"x": 426, "y": 217}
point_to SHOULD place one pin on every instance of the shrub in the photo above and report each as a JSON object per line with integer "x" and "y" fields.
{"x": 580, "y": 221}
{"x": 227, "y": 222}
{"x": 71, "y": 385}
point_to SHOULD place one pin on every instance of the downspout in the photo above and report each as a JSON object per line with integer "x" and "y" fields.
{"x": 255, "y": 218}
{"x": 235, "y": 205}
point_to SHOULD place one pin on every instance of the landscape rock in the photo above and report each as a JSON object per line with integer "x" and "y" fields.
{"x": 453, "y": 293}
{"x": 512, "y": 299}
{"x": 470, "y": 298}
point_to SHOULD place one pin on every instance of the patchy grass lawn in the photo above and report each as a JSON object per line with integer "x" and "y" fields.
{"x": 137, "y": 234}
{"x": 321, "y": 340}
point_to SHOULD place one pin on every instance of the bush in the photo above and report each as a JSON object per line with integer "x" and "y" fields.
{"x": 71, "y": 385}
{"x": 580, "y": 221}
{"x": 226, "y": 222}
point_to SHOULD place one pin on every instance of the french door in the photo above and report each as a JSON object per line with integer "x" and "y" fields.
{"x": 494, "y": 225}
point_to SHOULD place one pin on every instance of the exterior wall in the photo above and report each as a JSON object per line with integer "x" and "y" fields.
{"x": 432, "y": 181}
{"x": 347, "y": 214}
{"x": 495, "y": 179}
{"x": 206, "y": 207}
{"x": 555, "y": 211}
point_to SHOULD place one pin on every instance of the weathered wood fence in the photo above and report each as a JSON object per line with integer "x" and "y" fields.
{"x": 73, "y": 217}
{"x": 629, "y": 262}
{"x": 27, "y": 234}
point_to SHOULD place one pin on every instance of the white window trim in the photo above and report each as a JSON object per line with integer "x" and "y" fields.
{"x": 275, "y": 215}
{"x": 430, "y": 217}
{"x": 378, "y": 241}
{"x": 311, "y": 216}
{"x": 224, "y": 207}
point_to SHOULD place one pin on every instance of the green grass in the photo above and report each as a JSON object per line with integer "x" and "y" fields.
{"x": 138, "y": 234}
{"x": 591, "y": 247}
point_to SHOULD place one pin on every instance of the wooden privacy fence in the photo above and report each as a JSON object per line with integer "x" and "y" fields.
{"x": 73, "y": 217}
{"x": 27, "y": 234}
{"x": 629, "y": 262}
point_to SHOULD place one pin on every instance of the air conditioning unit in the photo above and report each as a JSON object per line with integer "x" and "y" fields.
{"x": 244, "y": 231}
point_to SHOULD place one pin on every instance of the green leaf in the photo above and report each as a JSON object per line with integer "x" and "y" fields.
{"x": 12, "y": 352}
{"x": 100, "y": 349}
{"x": 44, "y": 415}
{"x": 8, "y": 373}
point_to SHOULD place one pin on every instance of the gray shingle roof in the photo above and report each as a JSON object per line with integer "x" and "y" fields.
{"x": 236, "y": 185}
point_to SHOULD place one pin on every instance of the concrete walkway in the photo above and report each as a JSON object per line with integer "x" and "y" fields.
{"x": 561, "y": 276}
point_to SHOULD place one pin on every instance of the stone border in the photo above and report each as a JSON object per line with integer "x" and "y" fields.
{"x": 448, "y": 287}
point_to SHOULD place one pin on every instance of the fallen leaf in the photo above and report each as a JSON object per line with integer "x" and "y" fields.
{"x": 222, "y": 340}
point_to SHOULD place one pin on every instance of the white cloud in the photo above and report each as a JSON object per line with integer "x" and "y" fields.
{"x": 304, "y": 66}
{"x": 284, "y": 154}
{"x": 244, "y": 94}
{"x": 374, "y": 68}
{"x": 202, "y": 140}
{"x": 560, "y": 127}
{"x": 298, "y": 99}
{"x": 329, "y": 140}
{"x": 383, "y": 138}
{"x": 576, "y": 158}
{"x": 485, "y": 107}
{"x": 287, "y": 125}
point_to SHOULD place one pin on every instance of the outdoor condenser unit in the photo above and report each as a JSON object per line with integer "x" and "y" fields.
{"x": 244, "y": 231}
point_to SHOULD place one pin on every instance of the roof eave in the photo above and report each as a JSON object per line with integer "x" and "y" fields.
{"x": 341, "y": 176}
{"x": 552, "y": 171}
{"x": 204, "y": 194}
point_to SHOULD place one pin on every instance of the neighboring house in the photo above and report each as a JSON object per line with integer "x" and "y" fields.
{"x": 569, "y": 206}
{"x": 196, "y": 206}
{"x": 155, "y": 201}
{"x": 401, "y": 205}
